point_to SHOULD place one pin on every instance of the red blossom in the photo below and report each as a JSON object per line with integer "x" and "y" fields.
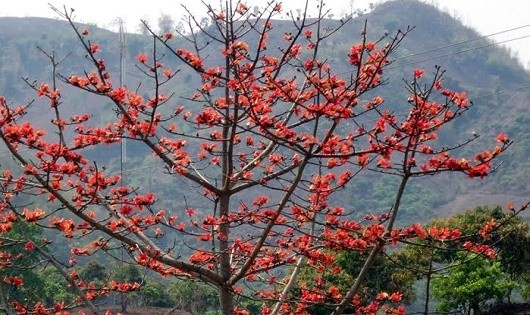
{"x": 29, "y": 246}
{"x": 141, "y": 58}
{"x": 167, "y": 73}
{"x": 94, "y": 48}
{"x": 35, "y": 215}
{"x": 220, "y": 16}
{"x": 418, "y": 73}
{"x": 14, "y": 281}
{"x": 80, "y": 251}
{"x": 503, "y": 138}
{"x": 241, "y": 8}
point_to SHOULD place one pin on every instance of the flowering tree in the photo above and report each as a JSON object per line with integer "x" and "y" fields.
{"x": 270, "y": 136}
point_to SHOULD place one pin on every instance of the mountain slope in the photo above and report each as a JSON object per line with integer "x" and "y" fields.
{"x": 491, "y": 76}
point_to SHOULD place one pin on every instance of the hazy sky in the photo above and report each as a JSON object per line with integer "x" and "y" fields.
{"x": 487, "y": 16}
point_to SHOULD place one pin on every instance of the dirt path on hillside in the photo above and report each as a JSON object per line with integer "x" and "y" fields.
{"x": 478, "y": 198}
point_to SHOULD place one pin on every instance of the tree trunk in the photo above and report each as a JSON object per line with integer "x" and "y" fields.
{"x": 226, "y": 301}
{"x": 374, "y": 252}
{"x": 428, "y": 286}
{"x": 123, "y": 302}
{"x": 3, "y": 300}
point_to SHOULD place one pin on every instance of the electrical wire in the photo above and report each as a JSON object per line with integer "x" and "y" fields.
{"x": 456, "y": 52}
{"x": 463, "y": 42}
{"x": 454, "y": 45}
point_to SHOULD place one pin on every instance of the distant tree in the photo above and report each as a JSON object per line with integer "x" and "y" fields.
{"x": 194, "y": 297}
{"x": 471, "y": 286}
{"x": 384, "y": 279}
{"x": 155, "y": 293}
{"x": 56, "y": 288}
{"x": 94, "y": 270}
{"x": 502, "y": 230}
{"x": 127, "y": 274}
{"x": 19, "y": 274}
{"x": 143, "y": 27}
{"x": 166, "y": 24}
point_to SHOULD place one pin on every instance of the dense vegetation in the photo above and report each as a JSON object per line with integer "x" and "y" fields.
{"x": 491, "y": 76}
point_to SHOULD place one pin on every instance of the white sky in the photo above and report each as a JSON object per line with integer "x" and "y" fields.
{"x": 487, "y": 16}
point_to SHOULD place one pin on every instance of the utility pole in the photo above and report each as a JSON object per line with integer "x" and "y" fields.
{"x": 123, "y": 158}
{"x": 123, "y": 152}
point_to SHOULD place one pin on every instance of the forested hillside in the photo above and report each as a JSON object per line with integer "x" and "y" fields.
{"x": 496, "y": 83}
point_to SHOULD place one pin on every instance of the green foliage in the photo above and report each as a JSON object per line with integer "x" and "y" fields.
{"x": 41, "y": 283}
{"x": 154, "y": 293}
{"x": 94, "y": 271}
{"x": 471, "y": 285}
{"x": 511, "y": 239}
{"x": 383, "y": 276}
{"x": 196, "y": 298}
{"x": 25, "y": 264}
{"x": 56, "y": 287}
{"x": 127, "y": 273}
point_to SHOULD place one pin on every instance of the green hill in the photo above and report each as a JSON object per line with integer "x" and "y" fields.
{"x": 495, "y": 81}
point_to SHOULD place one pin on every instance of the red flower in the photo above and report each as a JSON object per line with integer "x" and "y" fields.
{"x": 396, "y": 297}
{"x": 141, "y": 58}
{"x": 29, "y": 247}
{"x": 190, "y": 211}
{"x": 79, "y": 251}
{"x": 260, "y": 201}
{"x": 43, "y": 90}
{"x": 309, "y": 64}
{"x": 142, "y": 259}
{"x": 32, "y": 216}
{"x": 94, "y": 48}
{"x": 167, "y": 73}
{"x": 242, "y": 8}
{"x": 418, "y": 73}
{"x": 220, "y": 16}
{"x": 362, "y": 159}
{"x": 14, "y": 280}
{"x": 502, "y": 137}
{"x": 384, "y": 163}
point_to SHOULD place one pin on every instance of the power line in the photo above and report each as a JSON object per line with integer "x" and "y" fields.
{"x": 454, "y": 45}
{"x": 457, "y": 52}
{"x": 463, "y": 42}
{"x": 502, "y": 91}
